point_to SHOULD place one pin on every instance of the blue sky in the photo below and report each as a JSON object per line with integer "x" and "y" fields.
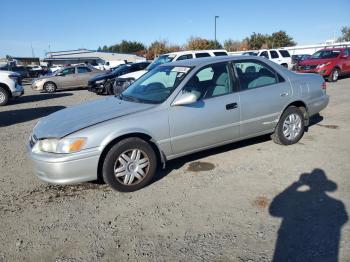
{"x": 69, "y": 24}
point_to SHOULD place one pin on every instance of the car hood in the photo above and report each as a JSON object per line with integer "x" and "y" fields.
{"x": 316, "y": 61}
{"x": 72, "y": 119}
{"x": 102, "y": 76}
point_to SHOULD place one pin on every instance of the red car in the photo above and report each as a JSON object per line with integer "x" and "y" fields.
{"x": 329, "y": 62}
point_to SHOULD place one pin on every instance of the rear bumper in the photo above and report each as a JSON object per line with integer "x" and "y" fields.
{"x": 318, "y": 104}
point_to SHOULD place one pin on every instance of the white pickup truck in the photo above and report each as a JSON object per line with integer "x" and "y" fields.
{"x": 10, "y": 86}
{"x": 279, "y": 56}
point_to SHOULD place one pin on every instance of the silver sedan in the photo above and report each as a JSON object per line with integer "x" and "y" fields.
{"x": 173, "y": 110}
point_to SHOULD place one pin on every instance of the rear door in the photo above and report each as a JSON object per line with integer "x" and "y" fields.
{"x": 213, "y": 119}
{"x": 82, "y": 76}
{"x": 67, "y": 79}
{"x": 263, "y": 95}
{"x": 346, "y": 61}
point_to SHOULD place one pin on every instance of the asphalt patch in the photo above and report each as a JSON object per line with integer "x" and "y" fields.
{"x": 199, "y": 166}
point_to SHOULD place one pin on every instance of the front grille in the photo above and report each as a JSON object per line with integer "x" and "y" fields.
{"x": 307, "y": 67}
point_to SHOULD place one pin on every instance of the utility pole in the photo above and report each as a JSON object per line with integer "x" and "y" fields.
{"x": 216, "y": 17}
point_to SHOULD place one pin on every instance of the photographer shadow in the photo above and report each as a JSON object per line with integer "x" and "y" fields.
{"x": 312, "y": 220}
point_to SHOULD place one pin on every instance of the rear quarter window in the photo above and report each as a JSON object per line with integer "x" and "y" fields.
{"x": 274, "y": 54}
{"x": 198, "y": 55}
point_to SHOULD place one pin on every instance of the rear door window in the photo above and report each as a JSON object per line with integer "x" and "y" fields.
{"x": 274, "y": 54}
{"x": 284, "y": 53}
{"x": 184, "y": 57}
{"x": 83, "y": 69}
{"x": 198, "y": 55}
{"x": 220, "y": 54}
{"x": 265, "y": 54}
{"x": 254, "y": 74}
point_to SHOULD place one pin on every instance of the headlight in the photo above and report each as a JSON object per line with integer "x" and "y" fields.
{"x": 100, "y": 81}
{"x": 60, "y": 146}
{"x": 323, "y": 65}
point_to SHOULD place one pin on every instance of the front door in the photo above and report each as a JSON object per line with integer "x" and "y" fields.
{"x": 263, "y": 95}
{"x": 213, "y": 119}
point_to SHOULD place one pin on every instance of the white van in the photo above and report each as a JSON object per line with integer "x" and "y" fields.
{"x": 176, "y": 56}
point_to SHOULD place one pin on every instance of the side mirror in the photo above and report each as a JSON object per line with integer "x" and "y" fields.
{"x": 185, "y": 99}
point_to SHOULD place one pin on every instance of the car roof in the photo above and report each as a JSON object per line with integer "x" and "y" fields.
{"x": 333, "y": 49}
{"x": 209, "y": 60}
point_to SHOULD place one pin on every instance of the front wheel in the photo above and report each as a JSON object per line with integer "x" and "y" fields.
{"x": 333, "y": 77}
{"x": 4, "y": 96}
{"x": 129, "y": 165}
{"x": 290, "y": 128}
{"x": 50, "y": 87}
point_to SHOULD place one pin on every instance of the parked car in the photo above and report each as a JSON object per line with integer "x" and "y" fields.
{"x": 55, "y": 68}
{"x": 10, "y": 86}
{"x": 123, "y": 81}
{"x": 103, "y": 83}
{"x": 296, "y": 59}
{"x": 279, "y": 56}
{"x": 21, "y": 70}
{"x": 69, "y": 77}
{"x": 174, "y": 110}
{"x": 329, "y": 62}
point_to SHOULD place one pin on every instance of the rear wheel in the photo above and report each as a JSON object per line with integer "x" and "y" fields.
{"x": 129, "y": 165}
{"x": 4, "y": 96}
{"x": 284, "y": 65}
{"x": 333, "y": 77}
{"x": 290, "y": 127}
{"x": 50, "y": 87}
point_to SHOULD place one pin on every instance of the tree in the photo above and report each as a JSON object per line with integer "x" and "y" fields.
{"x": 198, "y": 43}
{"x": 130, "y": 46}
{"x": 232, "y": 45}
{"x": 104, "y": 48}
{"x": 345, "y": 34}
{"x": 256, "y": 41}
{"x": 280, "y": 39}
{"x": 99, "y": 49}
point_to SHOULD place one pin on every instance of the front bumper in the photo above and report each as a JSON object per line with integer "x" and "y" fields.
{"x": 36, "y": 87}
{"x": 96, "y": 88}
{"x": 18, "y": 92}
{"x": 65, "y": 168}
{"x": 321, "y": 71}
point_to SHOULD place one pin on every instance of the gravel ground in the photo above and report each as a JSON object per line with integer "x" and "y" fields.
{"x": 239, "y": 202}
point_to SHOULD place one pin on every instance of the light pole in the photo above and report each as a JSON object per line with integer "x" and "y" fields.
{"x": 216, "y": 17}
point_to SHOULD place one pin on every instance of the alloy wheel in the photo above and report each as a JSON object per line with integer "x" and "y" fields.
{"x": 292, "y": 126}
{"x": 2, "y": 97}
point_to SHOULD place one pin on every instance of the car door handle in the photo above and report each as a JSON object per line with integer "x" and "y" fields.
{"x": 284, "y": 94}
{"x": 231, "y": 106}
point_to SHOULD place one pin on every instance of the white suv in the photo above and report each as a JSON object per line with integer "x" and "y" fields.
{"x": 279, "y": 56}
{"x": 10, "y": 86}
{"x": 175, "y": 56}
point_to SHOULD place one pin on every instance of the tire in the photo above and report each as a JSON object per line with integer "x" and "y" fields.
{"x": 108, "y": 87}
{"x": 281, "y": 135}
{"x": 50, "y": 87}
{"x": 333, "y": 77}
{"x": 4, "y": 96}
{"x": 122, "y": 158}
{"x": 284, "y": 65}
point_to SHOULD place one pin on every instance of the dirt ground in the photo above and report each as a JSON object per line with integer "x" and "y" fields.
{"x": 248, "y": 201}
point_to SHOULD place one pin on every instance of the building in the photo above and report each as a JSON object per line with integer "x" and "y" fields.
{"x": 88, "y": 56}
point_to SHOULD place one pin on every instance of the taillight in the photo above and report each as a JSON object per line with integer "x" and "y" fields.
{"x": 324, "y": 85}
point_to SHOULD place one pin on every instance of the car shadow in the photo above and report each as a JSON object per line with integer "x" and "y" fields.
{"x": 311, "y": 220}
{"x": 314, "y": 120}
{"x": 178, "y": 163}
{"x": 17, "y": 116}
{"x": 38, "y": 97}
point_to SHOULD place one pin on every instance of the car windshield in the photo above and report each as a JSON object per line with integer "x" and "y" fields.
{"x": 120, "y": 69}
{"x": 160, "y": 60}
{"x": 155, "y": 86}
{"x": 326, "y": 54}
